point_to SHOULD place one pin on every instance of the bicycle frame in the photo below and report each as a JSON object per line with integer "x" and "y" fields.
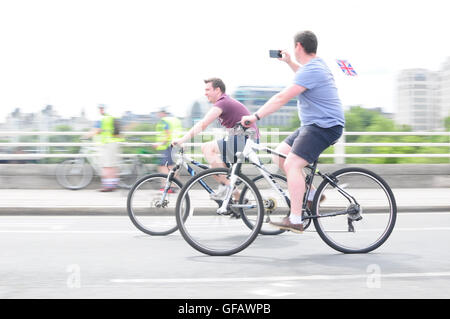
{"x": 86, "y": 150}
{"x": 249, "y": 153}
{"x": 184, "y": 161}
{"x": 94, "y": 160}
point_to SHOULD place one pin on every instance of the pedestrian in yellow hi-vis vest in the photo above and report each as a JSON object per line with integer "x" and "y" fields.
{"x": 168, "y": 128}
{"x": 109, "y": 150}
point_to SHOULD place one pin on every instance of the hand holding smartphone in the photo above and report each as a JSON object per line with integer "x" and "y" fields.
{"x": 275, "y": 54}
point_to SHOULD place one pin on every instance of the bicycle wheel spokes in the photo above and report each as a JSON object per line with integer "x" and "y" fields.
{"x": 74, "y": 174}
{"x": 211, "y": 232}
{"x": 276, "y": 206}
{"x": 362, "y": 226}
{"x": 151, "y": 207}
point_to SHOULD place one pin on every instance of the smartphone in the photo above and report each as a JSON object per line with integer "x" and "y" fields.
{"x": 275, "y": 53}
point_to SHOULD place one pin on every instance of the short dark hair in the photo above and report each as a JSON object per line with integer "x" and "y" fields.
{"x": 308, "y": 40}
{"x": 216, "y": 83}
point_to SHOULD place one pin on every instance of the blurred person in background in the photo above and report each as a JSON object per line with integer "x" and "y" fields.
{"x": 229, "y": 112}
{"x": 109, "y": 150}
{"x": 168, "y": 128}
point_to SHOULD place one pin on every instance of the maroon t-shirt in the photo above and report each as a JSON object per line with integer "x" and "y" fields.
{"x": 232, "y": 112}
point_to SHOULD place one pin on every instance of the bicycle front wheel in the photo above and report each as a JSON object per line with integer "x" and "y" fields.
{"x": 210, "y": 231}
{"x": 151, "y": 204}
{"x": 358, "y": 213}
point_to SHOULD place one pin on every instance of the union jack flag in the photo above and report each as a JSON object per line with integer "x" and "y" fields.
{"x": 346, "y": 67}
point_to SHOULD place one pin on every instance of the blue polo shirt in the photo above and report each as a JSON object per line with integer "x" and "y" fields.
{"x": 320, "y": 103}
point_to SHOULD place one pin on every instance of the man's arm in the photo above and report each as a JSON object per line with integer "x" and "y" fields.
{"x": 92, "y": 132}
{"x": 287, "y": 58}
{"x": 200, "y": 126}
{"x": 275, "y": 103}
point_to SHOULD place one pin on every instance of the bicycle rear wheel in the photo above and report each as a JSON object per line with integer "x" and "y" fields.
{"x": 151, "y": 204}
{"x": 357, "y": 217}
{"x": 74, "y": 173}
{"x": 213, "y": 233}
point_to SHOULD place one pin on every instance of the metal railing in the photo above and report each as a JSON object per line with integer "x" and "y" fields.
{"x": 339, "y": 153}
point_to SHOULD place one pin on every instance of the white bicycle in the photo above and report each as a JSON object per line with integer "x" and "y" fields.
{"x": 357, "y": 215}
{"x": 79, "y": 172}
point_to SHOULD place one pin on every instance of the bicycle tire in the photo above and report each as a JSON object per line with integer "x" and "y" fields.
{"x": 138, "y": 222}
{"x": 375, "y": 213}
{"x": 81, "y": 167}
{"x": 184, "y": 218}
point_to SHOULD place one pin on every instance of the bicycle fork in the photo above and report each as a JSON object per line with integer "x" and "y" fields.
{"x": 222, "y": 210}
{"x": 168, "y": 183}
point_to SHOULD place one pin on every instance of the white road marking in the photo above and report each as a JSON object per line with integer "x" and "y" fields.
{"x": 278, "y": 279}
{"x": 421, "y": 229}
{"x": 51, "y": 226}
{"x": 271, "y": 293}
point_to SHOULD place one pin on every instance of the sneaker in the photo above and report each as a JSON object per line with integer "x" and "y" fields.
{"x": 221, "y": 192}
{"x": 286, "y": 224}
{"x": 170, "y": 191}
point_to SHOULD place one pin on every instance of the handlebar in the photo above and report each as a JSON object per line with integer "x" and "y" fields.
{"x": 238, "y": 125}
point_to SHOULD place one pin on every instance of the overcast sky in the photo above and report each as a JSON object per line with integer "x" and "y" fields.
{"x": 140, "y": 55}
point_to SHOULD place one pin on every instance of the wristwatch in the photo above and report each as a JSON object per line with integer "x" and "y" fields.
{"x": 257, "y": 117}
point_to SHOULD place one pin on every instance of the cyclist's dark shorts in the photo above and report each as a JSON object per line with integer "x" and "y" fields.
{"x": 310, "y": 141}
{"x": 166, "y": 156}
{"x": 230, "y": 145}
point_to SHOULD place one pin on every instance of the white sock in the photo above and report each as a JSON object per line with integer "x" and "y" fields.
{"x": 110, "y": 182}
{"x": 311, "y": 194}
{"x": 295, "y": 219}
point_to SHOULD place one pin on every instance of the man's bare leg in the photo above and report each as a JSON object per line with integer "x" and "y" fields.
{"x": 212, "y": 155}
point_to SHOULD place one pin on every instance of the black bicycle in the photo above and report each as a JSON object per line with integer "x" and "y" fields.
{"x": 353, "y": 210}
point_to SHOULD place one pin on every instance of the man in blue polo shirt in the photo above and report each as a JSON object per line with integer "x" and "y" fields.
{"x": 321, "y": 114}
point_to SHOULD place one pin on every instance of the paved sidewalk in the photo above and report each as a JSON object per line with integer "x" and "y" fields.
{"x": 86, "y": 202}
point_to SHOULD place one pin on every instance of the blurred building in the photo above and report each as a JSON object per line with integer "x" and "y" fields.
{"x": 418, "y": 99}
{"x": 423, "y": 98}
{"x": 197, "y": 111}
{"x": 131, "y": 118}
{"x": 445, "y": 89}
{"x": 255, "y": 96}
{"x": 45, "y": 120}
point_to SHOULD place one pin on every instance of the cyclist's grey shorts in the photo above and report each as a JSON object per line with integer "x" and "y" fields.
{"x": 109, "y": 155}
{"x": 166, "y": 157}
{"x": 310, "y": 141}
{"x": 230, "y": 145}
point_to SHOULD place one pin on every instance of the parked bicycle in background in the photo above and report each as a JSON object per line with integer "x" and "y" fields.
{"x": 79, "y": 172}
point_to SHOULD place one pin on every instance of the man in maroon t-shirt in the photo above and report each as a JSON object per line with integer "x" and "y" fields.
{"x": 229, "y": 112}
